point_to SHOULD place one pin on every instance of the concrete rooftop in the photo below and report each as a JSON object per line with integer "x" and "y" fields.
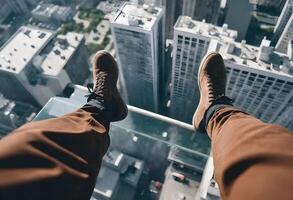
{"x": 21, "y": 48}
{"x": 143, "y": 16}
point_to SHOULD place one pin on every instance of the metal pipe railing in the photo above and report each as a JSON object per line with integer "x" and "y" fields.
{"x": 161, "y": 118}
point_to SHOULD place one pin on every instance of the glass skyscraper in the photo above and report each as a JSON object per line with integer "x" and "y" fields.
{"x": 138, "y": 33}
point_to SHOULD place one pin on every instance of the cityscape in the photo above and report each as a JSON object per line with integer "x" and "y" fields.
{"x": 46, "y": 48}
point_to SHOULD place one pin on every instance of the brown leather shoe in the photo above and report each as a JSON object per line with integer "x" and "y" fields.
{"x": 211, "y": 84}
{"x": 105, "y": 76}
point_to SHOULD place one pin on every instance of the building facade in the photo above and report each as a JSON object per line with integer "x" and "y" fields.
{"x": 36, "y": 66}
{"x": 202, "y": 10}
{"x": 138, "y": 32}
{"x": 50, "y": 13}
{"x": 263, "y": 88}
{"x": 283, "y": 32}
{"x": 238, "y": 16}
{"x": 259, "y": 79}
{"x": 192, "y": 40}
{"x": 282, "y": 21}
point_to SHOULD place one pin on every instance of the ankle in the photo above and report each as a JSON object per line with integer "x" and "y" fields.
{"x": 216, "y": 105}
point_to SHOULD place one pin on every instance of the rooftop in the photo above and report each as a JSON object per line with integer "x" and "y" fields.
{"x": 262, "y": 58}
{"x": 63, "y": 49}
{"x": 186, "y": 24}
{"x": 50, "y": 9}
{"x": 21, "y": 48}
{"x": 249, "y": 56}
{"x": 143, "y": 16}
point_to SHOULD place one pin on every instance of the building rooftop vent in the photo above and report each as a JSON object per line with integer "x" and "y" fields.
{"x": 225, "y": 27}
{"x": 133, "y": 21}
{"x": 151, "y": 8}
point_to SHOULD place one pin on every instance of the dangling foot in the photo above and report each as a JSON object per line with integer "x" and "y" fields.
{"x": 105, "y": 76}
{"x": 211, "y": 83}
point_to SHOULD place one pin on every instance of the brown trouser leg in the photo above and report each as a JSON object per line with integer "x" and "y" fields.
{"x": 253, "y": 160}
{"x": 54, "y": 159}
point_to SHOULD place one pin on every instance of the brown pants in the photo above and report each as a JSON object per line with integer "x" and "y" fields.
{"x": 60, "y": 158}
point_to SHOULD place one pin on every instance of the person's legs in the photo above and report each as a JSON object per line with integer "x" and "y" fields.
{"x": 54, "y": 159}
{"x": 252, "y": 160}
{"x": 60, "y": 158}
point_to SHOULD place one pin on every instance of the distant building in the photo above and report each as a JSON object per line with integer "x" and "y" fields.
{"x": 259, "y": 79}
{"x": 271, "y": 3}
{"x": 138, "y": 33}
{"x": 119, "y": 177}
{"x": 202, "y": 9}
{"x": 191, "y": 42}
{"x": 238, "y": 16}
{"x": 87, "y": 3}
{"x": 290, "y": 50}
{"x": 36, "y": 68}
{"x": 18, "y": 6}
{"x": 283, "y": 31}
{"x": 14, "y": 114}
{"x": 207, "y": 10}
{"x": 5, "y": 10}
{"x": 173, "y": 11}
{"x": 50, "y": 13}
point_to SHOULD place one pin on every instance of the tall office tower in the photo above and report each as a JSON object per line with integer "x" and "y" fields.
{"x": 138, "y": 33}
{"x": 282, "y": 21}
{"x": 173, "y": 11}
{"x": 260, "y": 81}
{"x": 18, "y": 6}
{"x": 188, "y": 7}
{"x": 238, "y": 16}
{"x": 271, "y": 3}
{"x": 283, "y": 32}
{"x": 34, "y": 66}
{"x": 4, "y": 10}
{"x": 208, "y": 10}
{"x": 192, "y": 40}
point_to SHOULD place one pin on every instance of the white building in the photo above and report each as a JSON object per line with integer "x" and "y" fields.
{"x": 284, "y": 28}
{"x": 52, "y": 13}
{"x": 34, "y": 68}
{"x": 286, "y": 37}
{"x": 259, "y": 80}
{"x": 192, "y": 40}
{"x": 138, "y": 33}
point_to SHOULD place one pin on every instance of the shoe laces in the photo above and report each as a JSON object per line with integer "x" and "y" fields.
{"x": 214, "y": 90}
{"x": 100, "y": 86}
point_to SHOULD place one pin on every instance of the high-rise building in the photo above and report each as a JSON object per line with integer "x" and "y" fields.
{"x": 192, "y": 40}
{"x": 259, "y": 79}
{"x": 18, "y": 6}
{"x": 271, "y": 3}
{"x": 36, "y": 67}
{"x": 282, "y": 20}
{"x": 238, "y": 16}
{"x": 286, "y": 37}
{"x": 283, "y": 31}
{"x": 14, "y": 114}
{"x": 51, "y": 13}
{"x": 138, "y": 33}
{"x": 207, "y": 10}
{"x": 5, "y": 10}
{"x": 173, "y": 11}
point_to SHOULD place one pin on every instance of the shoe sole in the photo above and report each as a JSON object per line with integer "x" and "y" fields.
{"x": 116, "y": 95}
{"x": 202, "y": 63}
